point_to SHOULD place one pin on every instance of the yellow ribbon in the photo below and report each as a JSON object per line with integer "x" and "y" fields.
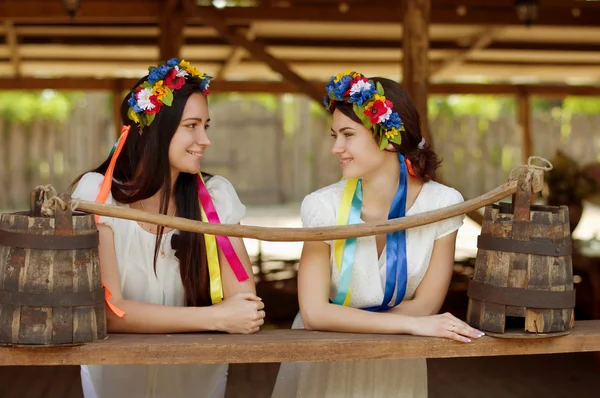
{"x": 342, "y": 219}
{"x": 214, "y": 270}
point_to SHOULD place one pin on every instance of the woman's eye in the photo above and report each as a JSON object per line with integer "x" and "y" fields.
{"x": 191, "y": 126}
{"x": 207, "y": 127}
{"x": 347, "y": 135}
{"x": 333, "y": 135}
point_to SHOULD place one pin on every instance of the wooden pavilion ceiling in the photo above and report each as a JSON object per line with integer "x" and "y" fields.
{"x": 314, "y": 38}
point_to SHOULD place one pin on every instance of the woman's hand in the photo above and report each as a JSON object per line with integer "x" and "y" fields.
{"x": 242, "y": 313}
{"x": 445, "y": 325}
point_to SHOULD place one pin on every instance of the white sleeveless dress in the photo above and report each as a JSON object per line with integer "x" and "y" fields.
{"x": 135, "y": 256}
{"x": 373, "y": 378}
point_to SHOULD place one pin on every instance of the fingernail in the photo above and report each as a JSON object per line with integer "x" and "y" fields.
{"x": 468, "y": 340}
{"x": 481, "y": 334}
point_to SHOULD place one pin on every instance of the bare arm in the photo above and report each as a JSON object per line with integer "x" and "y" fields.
{"x": 231, "y": 286}
{"x": 238, "y": 315}
{"x": 432, "y": 290}
{"x": 319, "y": 314}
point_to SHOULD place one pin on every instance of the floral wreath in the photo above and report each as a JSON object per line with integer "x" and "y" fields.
{"x": 369, "y": 104}
{"x": 148, "y": 98}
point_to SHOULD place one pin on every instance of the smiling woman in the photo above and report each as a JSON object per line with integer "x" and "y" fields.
{"x": 167, "y": 281}
{"x": 392, "y": 283}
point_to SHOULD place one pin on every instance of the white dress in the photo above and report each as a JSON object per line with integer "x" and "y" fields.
{"x": 373, "y": 378}
{"x": 135, "y": 256}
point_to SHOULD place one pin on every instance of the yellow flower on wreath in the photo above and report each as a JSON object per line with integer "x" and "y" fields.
{"x": 160, "y": 90}
{"x": 189, "y": 68}
{"x": 392, "y": 133}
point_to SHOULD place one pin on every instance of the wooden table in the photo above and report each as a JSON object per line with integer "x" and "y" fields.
{"x": 291, "y": 346}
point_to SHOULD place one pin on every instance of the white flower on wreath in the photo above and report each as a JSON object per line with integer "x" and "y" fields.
{"x": 181, "y": 72}
{"x": 385, "y": 116}
{"x": 360, "y": 86}
{"x": 143, "y": 99}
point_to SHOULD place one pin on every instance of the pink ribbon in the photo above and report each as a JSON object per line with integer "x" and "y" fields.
{"x": 223, "y": 241}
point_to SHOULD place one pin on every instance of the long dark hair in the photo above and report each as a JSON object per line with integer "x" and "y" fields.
{"x": 143, "y": 168}
{"x": 424, "y": 160}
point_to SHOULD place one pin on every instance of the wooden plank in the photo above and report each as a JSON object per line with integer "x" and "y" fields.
{"x": 277, "y": 87}
{"x": 128, "y": 12}
{"x": 140, "y": 11}
{"x": 292, "y": 346}
{"x": 511, "y": 3}
{"x": 258, "y": 51}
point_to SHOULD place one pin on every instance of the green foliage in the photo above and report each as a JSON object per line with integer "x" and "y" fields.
{"x": 24, "y": 106}
{"x": 486, "y": 106}
{"x": 582, "y": 105}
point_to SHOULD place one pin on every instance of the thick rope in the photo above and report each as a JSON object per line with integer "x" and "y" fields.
{"x": 49, "y": 201}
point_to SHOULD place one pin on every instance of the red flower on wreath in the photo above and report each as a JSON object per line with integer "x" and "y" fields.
{"x": 378, "y": 109}
{"x": 173, "y": 81}
{"x": 157, "y": 105}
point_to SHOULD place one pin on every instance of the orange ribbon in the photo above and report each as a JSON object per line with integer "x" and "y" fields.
{"x": 101, "y": 198}
{"x": 409, "y": 167}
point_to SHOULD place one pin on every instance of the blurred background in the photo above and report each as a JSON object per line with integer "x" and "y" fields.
{"x": 499, "y": 80}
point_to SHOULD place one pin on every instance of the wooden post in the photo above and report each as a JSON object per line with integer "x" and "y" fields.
{"x": 117, "y": 98}
{"x": 13, "y": 48}
{"x": 525, "y": 123}
{"x": 415, "y": 66}
{"x": 172, "y": 22}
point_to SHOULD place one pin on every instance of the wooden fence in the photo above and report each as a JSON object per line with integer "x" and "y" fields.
{"x": 270, "y": 161}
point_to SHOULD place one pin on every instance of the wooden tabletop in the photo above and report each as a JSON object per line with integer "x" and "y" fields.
{"x": 291, "y": 346}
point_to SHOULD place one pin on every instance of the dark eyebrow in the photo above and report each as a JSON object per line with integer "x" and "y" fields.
{"x": 343, "y": 129}
{"x": 198, "y": 119}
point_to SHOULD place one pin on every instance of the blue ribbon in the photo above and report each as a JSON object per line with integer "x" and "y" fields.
{"x": 396, "y": 273}
{"x": 349, "y": 247}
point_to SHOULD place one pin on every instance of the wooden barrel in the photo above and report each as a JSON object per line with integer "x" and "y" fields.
{"x": 50, "y": 286}
{"x": 523, "y": 268}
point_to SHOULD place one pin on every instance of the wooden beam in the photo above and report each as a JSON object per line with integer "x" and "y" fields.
{"x": 148, "y": 11}
{"x": 258, "y": 51}
{"x": 236, "y": 54}
{"x": 511, "y": 3}
{"x": 13, "y": 47}
{"x": 291, "y": 346}
{"x": 277, "y": 87}
{"x": 172, "y": 22}
{"x": 101, "y": 11}
{"x": 415, "y": 66}
{"x": 523, "y": 100}
{"x": 480, "y": 41}
{"x": 476, "y": 15}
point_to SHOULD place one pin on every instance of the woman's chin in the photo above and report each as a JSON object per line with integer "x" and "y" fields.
{"x": 189, "y": 169}
{"x": 348, "y": 173}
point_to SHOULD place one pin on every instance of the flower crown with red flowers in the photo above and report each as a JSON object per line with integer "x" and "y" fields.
{"x": 148, "y": 98}
{"x": 369, "y": 104}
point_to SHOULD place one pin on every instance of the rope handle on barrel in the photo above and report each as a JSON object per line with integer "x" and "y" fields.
{"x": 305, "y": 234}
{"x": 529, "y": 167}
{"x": 49, "y": 200}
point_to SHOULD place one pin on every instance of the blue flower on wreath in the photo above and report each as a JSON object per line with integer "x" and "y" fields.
{"x": 133, "y": 103}
{"x": 173, "y": 62}
{"x": 393, "y": 121}
{"x": 360, "y": 96}
{"x": 341, "y": 87}
{"x": 204, "y": 83}
{"x": 330, "y": 87}
{"x": 158, "y": 73}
